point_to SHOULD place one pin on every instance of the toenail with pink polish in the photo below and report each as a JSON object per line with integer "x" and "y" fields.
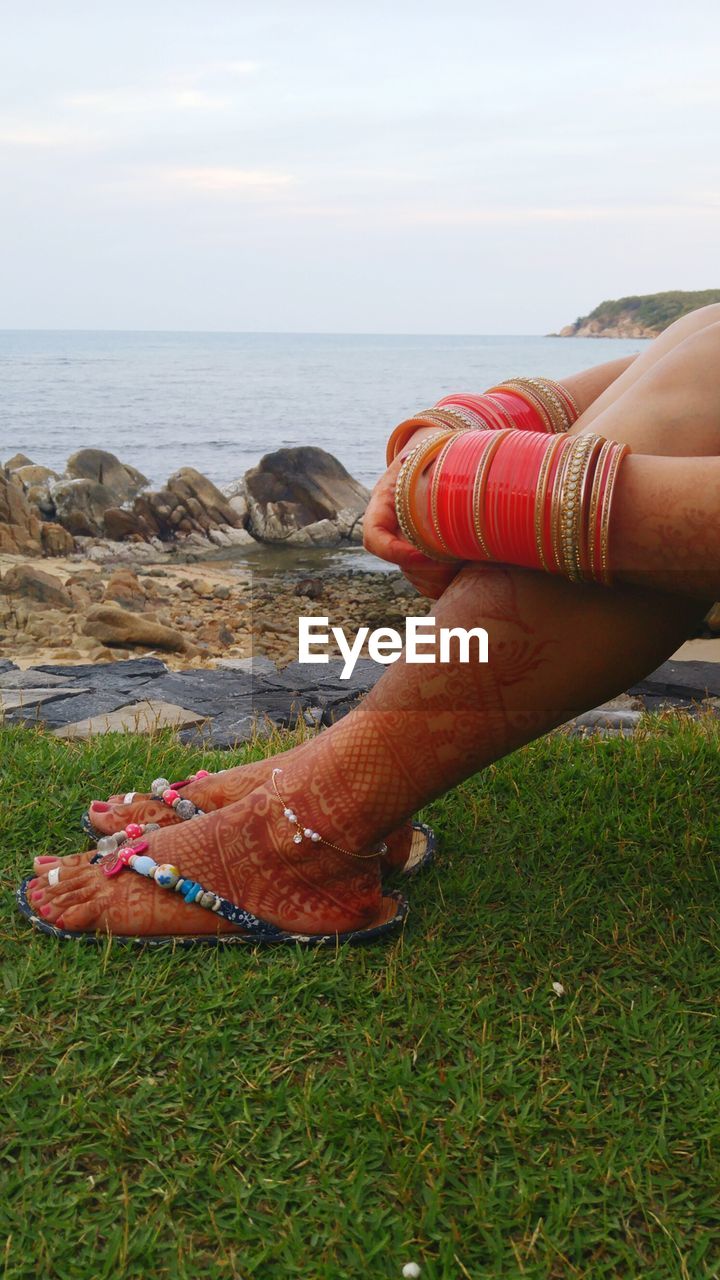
{"x": 45, "y": 858}
{"x": 100, "y": 806}
{"x": 37, "y": 895}
{"x": 45, "y": 911}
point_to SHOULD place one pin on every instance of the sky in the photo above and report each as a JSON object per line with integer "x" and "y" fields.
{"x": 353, "y": 167}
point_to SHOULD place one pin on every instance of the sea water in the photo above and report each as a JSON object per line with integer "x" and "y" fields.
{"x": 219, "y": 401}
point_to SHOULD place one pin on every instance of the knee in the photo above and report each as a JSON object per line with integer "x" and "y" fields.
{"x": 702, "y": 318}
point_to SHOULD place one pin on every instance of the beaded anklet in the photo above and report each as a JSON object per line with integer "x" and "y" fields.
{"x": 307, "y": 833}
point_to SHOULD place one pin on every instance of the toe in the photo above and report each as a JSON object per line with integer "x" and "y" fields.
{"x": 109, "y": 819}
{"x": 75, "y": 887}
{"x": 45, "y": 863}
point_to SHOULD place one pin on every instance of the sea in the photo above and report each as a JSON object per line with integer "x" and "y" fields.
{"x": 219, "y": 401}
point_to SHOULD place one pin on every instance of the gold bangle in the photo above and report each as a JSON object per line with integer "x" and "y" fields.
{"x": 592, "y": 520}
{"x": 540, "y": 499}
{"x": 521, "y": 388}
{"x": 621, "y": 451}
{"x": 434, "y": 492}
{"x": 417, "y": 459}
{"x": 444, "y": 419}
{"x": 543, "y": 392}
{"x": 588, "y": 476}
{"x": 480, "y": 485}
{"x": 555, "y": 507}
{"x": 553, "y": 402}
{"x": 583, "y": 450}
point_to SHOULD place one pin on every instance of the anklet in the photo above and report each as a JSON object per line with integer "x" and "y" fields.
{"x": 307, "y": 833}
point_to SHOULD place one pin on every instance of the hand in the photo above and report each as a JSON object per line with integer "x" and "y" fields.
{"x": 382, "y": 537}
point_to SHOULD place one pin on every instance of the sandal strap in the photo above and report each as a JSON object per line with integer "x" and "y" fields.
{"x": 167, "y": 876}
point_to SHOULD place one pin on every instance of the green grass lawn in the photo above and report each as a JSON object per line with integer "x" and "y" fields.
{"x": 281, "y": 1113}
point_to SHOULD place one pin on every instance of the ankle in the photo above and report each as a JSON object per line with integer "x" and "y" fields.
{"x": 324, "y": 820}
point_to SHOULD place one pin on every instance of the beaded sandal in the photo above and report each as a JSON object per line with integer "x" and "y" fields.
{"x": 251, "y": 928}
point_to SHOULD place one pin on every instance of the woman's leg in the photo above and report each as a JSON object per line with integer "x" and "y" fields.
{"x": 595, "y": 402}
{"x": 555, "y": 649}
{"x": 651, "y": 434}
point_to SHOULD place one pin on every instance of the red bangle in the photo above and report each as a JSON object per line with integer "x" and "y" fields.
{"x": 516, "y": 497}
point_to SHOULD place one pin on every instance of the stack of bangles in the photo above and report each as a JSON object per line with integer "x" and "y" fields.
{"x": 513, "y": 497}
{"x": 525, "y": 404}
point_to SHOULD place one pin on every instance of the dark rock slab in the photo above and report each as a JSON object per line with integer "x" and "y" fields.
{"x": 257, "y": 665}
{"x": 228, "y": 730}
{"x": 67, "y": 709}
{"x": 325, "y": 676}
{"x": 7, "y": 665}
{"x": 691, "y": 680}
{"x": 207, "y": 692}
{"x": 29, "y": 679}
{"x": 99, "y": 673}
{"x": 602, "y": 719}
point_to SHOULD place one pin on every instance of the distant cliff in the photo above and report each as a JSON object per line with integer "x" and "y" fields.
{"x": 638, "y": 317}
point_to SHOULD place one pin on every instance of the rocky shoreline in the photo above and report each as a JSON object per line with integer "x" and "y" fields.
{"x": 95, "y": 566}
{"x": 300, "y": 497}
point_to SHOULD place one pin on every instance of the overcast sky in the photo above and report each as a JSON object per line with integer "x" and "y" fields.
{"x": 339, "y": 167}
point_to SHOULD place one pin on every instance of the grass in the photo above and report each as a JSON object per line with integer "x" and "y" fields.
{"x": 286, "y": 1113}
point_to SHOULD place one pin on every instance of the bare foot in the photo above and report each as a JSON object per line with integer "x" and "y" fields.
{"x": 244, "y": 852}
{"x": 213, "y": 792}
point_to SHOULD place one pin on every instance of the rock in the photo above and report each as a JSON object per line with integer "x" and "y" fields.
{"x": 125, "y": 588}
{"x": 30, "y": 679}
{"x": 202, "y": 499}
{"x": 122, "y": 552}
{"x": 313, "y": 588}
{"x": 25, "y": 581}
{"x": 120, "y": 523}
{"x": 116, "y": 626}
{"x": 322, "y": 533}
{"x": 713, "y": 618}
{"x": 296, "y": 489}
{"x": 18, "y": 460}
{"x": 55, "y": 540}
{"x": 80, "y": 505}
{"x": 32, "y": 473}
{"x": 218, "y": 537}
{"x": 239, "y": 537}
{"x": 103, "y": 468}
{"x": 19, "y": 524}
{"x": 236, "y": 494}
{"x": 137, "y": 717}
{"x": 191, "y": 507}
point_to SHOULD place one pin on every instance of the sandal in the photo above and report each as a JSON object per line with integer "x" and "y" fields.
{"x": 252, "y": 929}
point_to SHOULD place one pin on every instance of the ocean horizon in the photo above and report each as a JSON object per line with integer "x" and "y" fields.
{"x": 218, "y": 401}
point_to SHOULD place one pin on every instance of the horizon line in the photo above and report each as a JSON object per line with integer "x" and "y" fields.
{"x": 280, "y": 333}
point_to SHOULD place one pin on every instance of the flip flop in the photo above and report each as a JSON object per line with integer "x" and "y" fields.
{"x": 254, "y": 930}
{"x": 423, "y": 845}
